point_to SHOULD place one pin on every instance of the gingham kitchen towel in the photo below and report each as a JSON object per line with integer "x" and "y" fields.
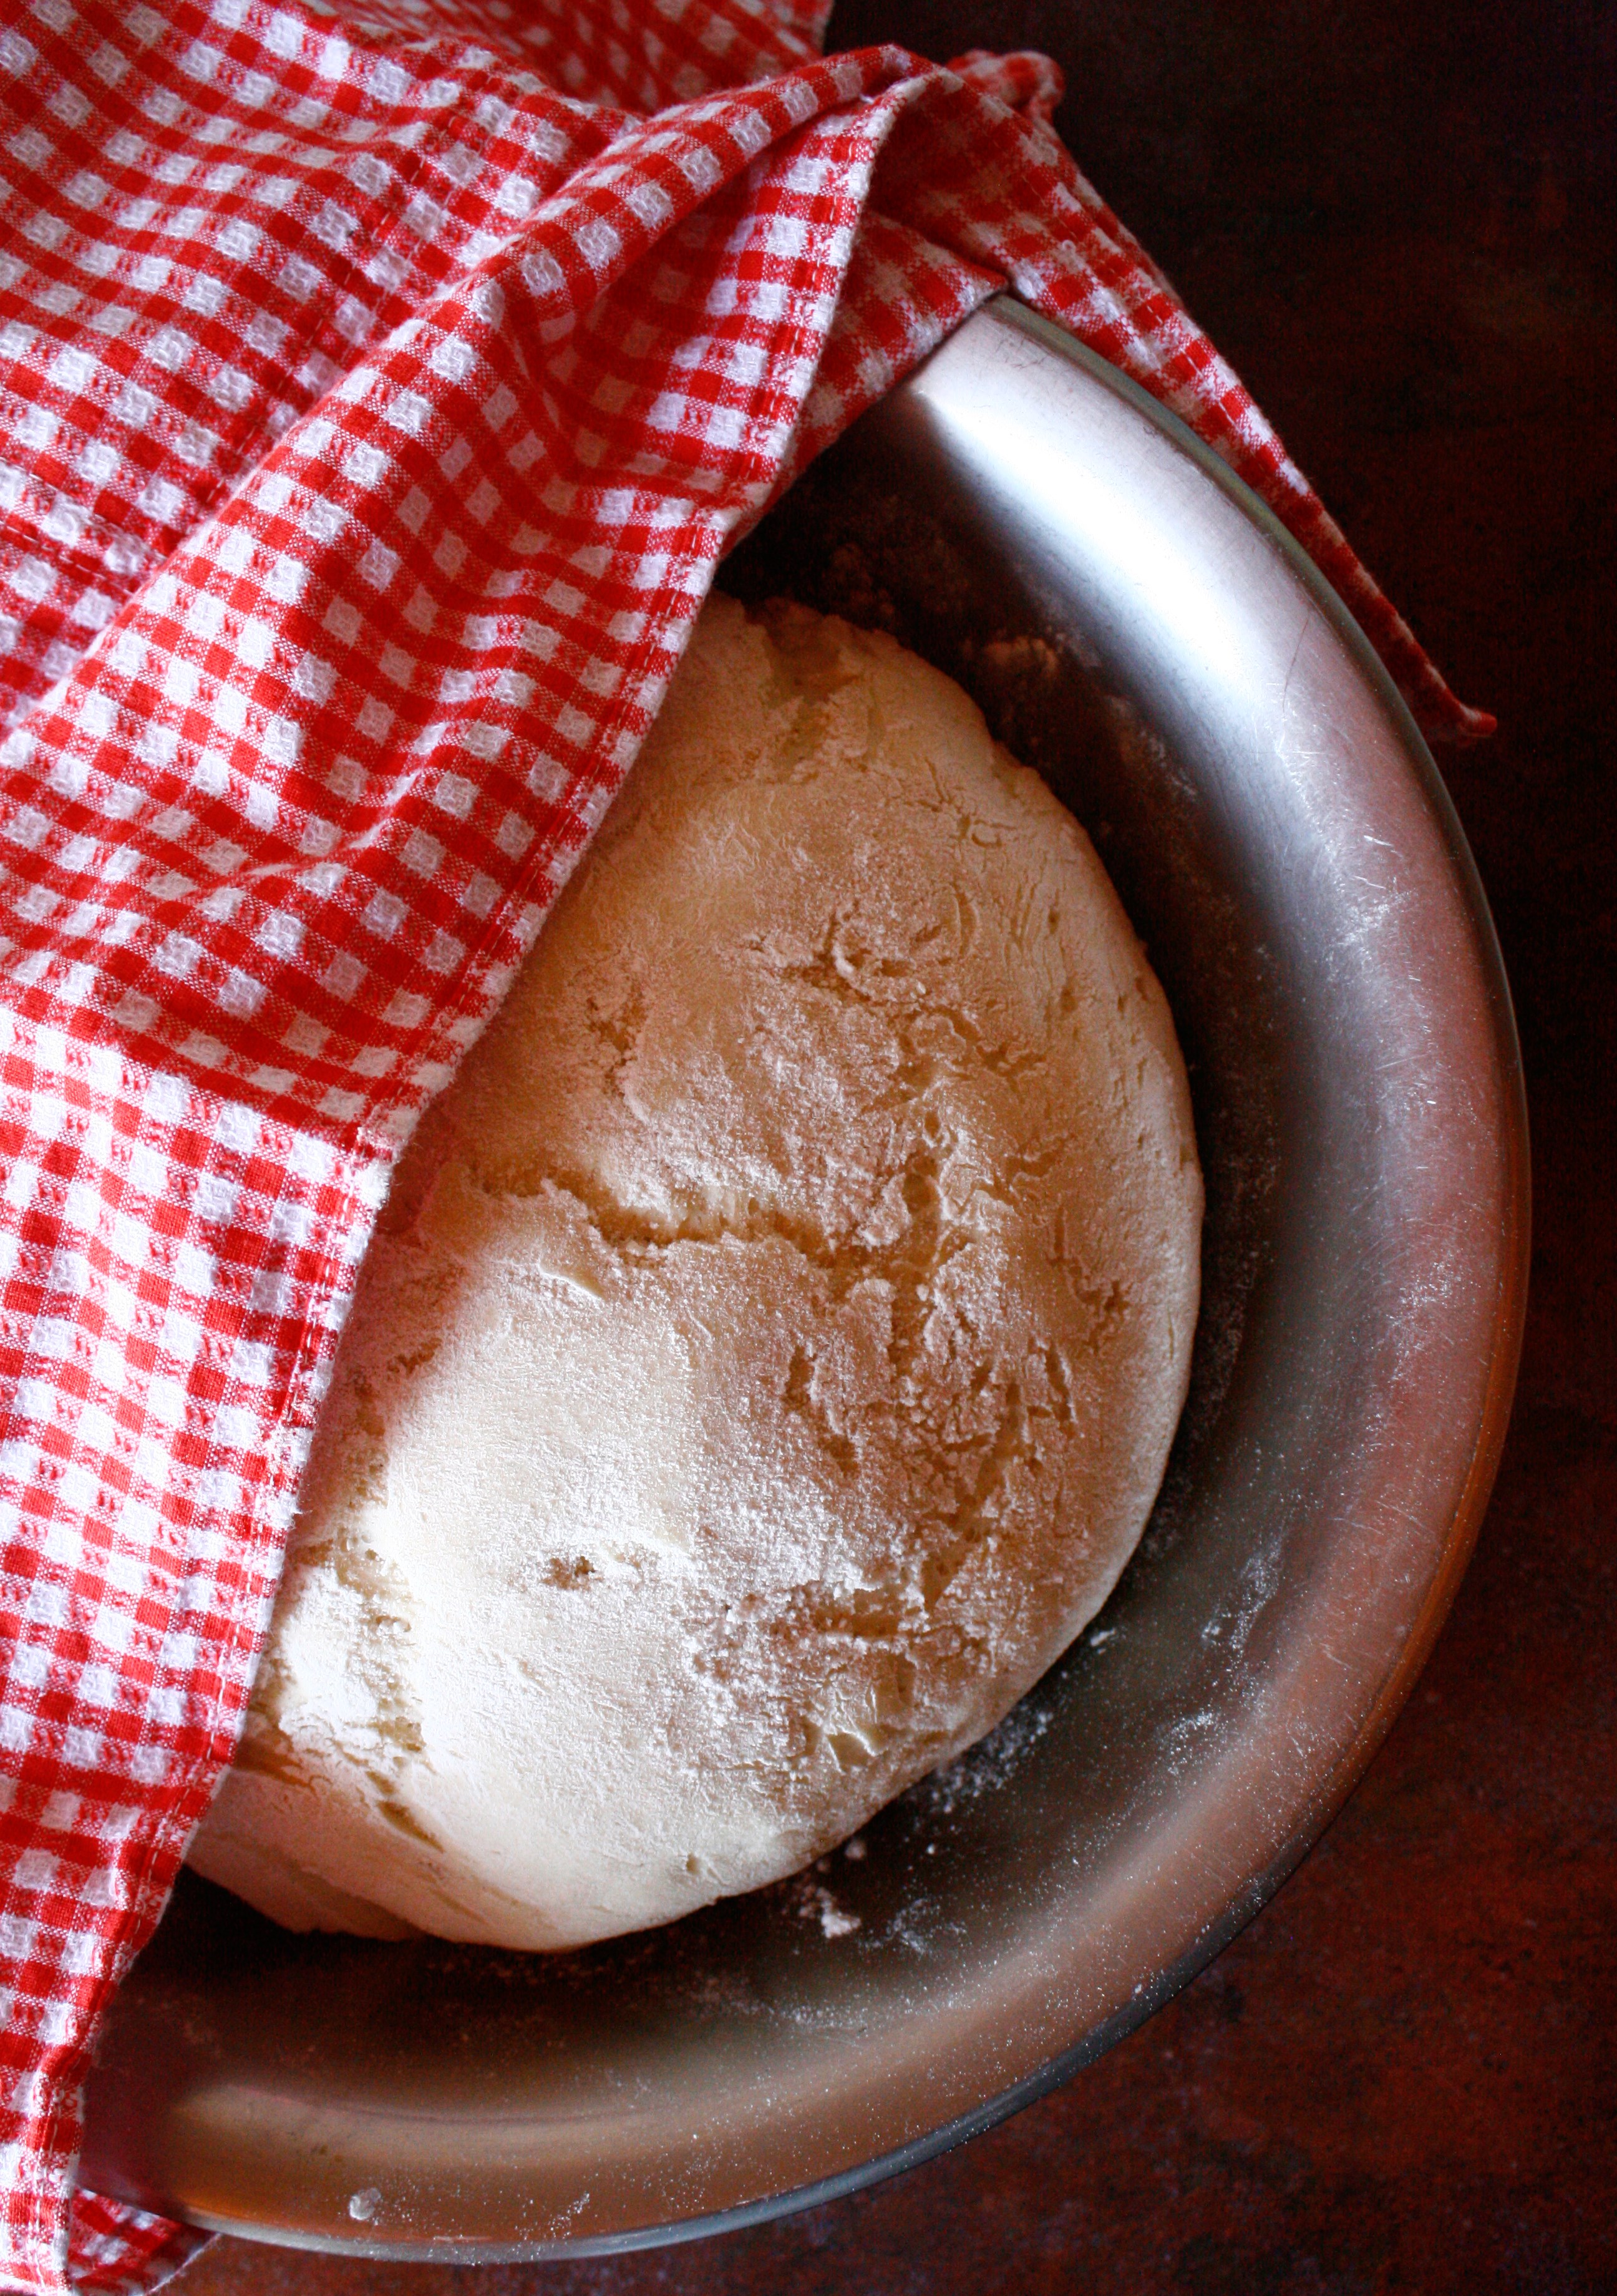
{"x": 379, "y": 393}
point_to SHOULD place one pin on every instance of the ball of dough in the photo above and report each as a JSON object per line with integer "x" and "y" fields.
{"x": 770, "y": 1351}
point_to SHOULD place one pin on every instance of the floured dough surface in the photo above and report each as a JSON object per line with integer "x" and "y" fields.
{"x": 771, "y": 1349}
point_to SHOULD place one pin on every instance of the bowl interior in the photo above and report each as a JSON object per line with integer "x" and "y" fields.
{"x": 1135, "y": 628}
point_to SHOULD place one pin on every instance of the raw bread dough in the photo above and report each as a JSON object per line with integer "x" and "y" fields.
{"x": 770, "y": 1351}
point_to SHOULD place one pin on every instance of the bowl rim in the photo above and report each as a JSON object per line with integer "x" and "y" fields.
{"x": 1309, "y": 1820}
{"x": 1509, "y": 1330}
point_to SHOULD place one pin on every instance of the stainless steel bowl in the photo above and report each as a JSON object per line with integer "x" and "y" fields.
{"x": 1136, "y": 624}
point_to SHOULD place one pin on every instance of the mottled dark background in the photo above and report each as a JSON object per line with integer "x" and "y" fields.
{"x": 1397, "y": 218}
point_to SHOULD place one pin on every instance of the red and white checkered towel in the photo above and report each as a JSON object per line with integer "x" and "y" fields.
{"x": 379, "y": 394}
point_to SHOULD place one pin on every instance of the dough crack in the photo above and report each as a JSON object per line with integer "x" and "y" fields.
{"x": 799, "y": 1398}
{"x": 982, "y": 1509}
{"x": 835, "y": 971}
{"x": 383, "y": 1718}
{"x": 858, "y": 977}
{"x": 619, "y": 1032}
{"x": 910, "y": 1264}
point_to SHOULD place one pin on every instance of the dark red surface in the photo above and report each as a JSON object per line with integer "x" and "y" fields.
{"x": 1397, "y": 221}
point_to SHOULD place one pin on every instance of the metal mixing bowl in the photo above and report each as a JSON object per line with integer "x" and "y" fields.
{"x": 1137, "y": 626}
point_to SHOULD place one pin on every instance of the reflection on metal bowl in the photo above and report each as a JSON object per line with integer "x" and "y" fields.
{"x": 1135, "y": 626}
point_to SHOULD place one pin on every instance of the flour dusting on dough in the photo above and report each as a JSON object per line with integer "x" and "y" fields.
{"x": 770, "y": 1349}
